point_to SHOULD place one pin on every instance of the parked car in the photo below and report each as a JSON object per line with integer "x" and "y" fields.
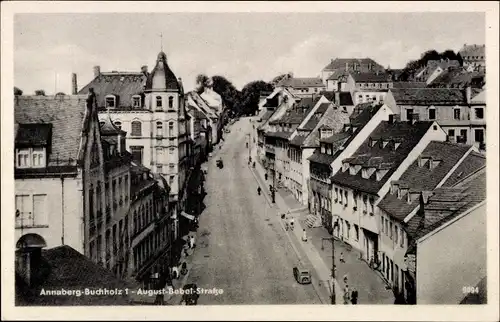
{"x": 302, "y": 275}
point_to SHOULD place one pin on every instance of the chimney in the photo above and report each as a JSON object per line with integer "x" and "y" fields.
{"x": 144, "y": 69}
{"x": 97, "y": 71}
{"x": 74, "y": 84}
{"x": 468, "y": 93}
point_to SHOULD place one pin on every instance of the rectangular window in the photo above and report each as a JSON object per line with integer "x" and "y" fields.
{"x": 23, "y": 211}
{"x": 402, "y": 238}
{"x": 110, "y": 102}
{"x": 171, "y": 150}
{"x": 40, "y": 210}
{"x": 382, "y": 223}
{"x": 456, "y": 114}
{"x": 451, "y": 133}
{"x": 159, "y": 155}
{"x": 159, "y": 168}
{"x": 171, "y": 180}
{"x": 136, "y": 101}
{"x": 432, "y": 114}
{"x": 463, "y": 135}
{"x": 479, "y": 135}
{"x": 341, "y": 196}
{"x": 386, "y": 226}
{"x": 356, "y": 232}
{"x": 479, "y": 113}
{"x": 136, "y": 128}
{"x": 137, "y": 153}
{"x": 346, "y": 200}
{"x": 23, "y": 158}
{"x": 390, "y": 230}
{"x": 396, "y": 235}
{"x": 409, "y": 114}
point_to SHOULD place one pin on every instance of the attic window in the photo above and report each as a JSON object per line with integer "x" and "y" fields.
{"x": 396, "y": 145}
{"x": 422, "y": 161}
{"x": 110, "y": 101}
{"x": 136, "y": 101}
{"x": 433, "y": 164}
{"x": 372, "y": 142}
{"x": 394, "y": 188}
{"x": 384, "y": 143}
{"x": 345, "y": 166}
{"x": 381, "y": 174}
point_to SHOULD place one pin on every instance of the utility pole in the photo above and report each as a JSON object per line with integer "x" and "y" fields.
{"x": 333, "y": 296}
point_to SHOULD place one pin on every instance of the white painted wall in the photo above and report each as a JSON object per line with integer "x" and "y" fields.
{"x": 52, "y": 232}
{"x": 442, "y": 271}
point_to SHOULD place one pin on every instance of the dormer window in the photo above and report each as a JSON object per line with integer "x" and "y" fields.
{"x": 384, "y": 143}
{"x": 110, "y": 101}
{"x": 433, "y": 164}
{"x": 422, "y": 161}
{"x": 345, "y": 166}
{"x": 136, "y": 101}
{"x": 364, "y": 173}
{"x": 396, "y": 145}
{"x": 402, "y": 192}
{"x": 381, "y": 174}
{"x": 372, "y": 142}
{"x": 30, "y": 157}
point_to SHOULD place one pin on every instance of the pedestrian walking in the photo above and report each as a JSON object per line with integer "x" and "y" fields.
{"x": 342, "y": 257}
{"x": 345, "y": 279}
{"x": 175, "y": 272}
{"x": 304, "y": 235}
{"x": 191, "y": 242}
{"x": 354, "y": 296}
{"x": 258, "y": 190}
{"x": 265, "y": 176}
{"x": 346, "y": 295}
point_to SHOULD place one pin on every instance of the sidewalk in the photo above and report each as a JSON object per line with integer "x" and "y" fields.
{"x": 370, "y": 287}
{"x": 323, "y": 272}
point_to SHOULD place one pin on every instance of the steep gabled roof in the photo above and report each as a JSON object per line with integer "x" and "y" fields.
{"x": 421, "y": 178}
{"x": 473, "y": 50}
{"x": 472, "y": 163}
{"x": 66, "y": 115}
{"x": 162, "y": 72}
{"x": 333, "y": 118}
{"x": 410, "y": 135}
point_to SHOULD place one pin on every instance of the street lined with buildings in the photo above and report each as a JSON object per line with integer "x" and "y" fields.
{"x": 118, "y": 174}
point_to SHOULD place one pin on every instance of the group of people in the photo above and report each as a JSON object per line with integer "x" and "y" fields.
{"x": 349, "y": 296}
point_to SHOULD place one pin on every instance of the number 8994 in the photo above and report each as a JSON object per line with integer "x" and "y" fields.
{"x": 470, "y": 290}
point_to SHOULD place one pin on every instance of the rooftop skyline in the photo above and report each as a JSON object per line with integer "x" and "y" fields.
{"x": 239, "y": 46}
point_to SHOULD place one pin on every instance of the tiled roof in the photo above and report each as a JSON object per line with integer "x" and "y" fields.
{"x": 302, "y": 82}
{"x": 107, "y": 127}
{"x": 66, "y": 114}
{"x": 316, "y": 117}
{"x": 337, "y": 74}
{"x": 68, "y": 269}
{"x": 479, "y": 96}
{"x": 266, "y": 115}
{"x": 421, "y": 178}
{"x": 471, "y": 164}
{"x": 447, "y": 203}
{"x": 411, "y": 135}
{"x": 442, "y": 96}
{"x": 123, "y": 85}
{"x": 409, "y": 84}
{"x": 340, "y": 63}
{"x": 279, "y": 134}
{"x": 33, "y": 135}
{"x": 473, "y": 50}
{"x": 457, "y": 78}
{"x": 298, "y": 139}
{"x": 322, "y": 158}
{"x": 370, "y": 77}
{"x": 297, "y": 113}
{"x": 337, "y": 137}
{"x": 333, "y": 118}
{"x": 329, "y": 95}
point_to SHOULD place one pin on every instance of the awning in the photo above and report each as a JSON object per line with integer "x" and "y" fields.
{"x": 188, "y": 216}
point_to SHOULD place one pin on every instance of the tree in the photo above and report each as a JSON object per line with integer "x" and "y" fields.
{"x": 414, "y": 65}
{"x": 40, "y": 92}
{"x": 250, "y": 96}
{"x": 202, "y": 82}
{"x": 17, "y": 91}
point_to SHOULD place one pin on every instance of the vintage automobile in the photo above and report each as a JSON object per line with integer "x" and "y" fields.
{"x": 302, "y": 275}
{"x": 190, "y": 296}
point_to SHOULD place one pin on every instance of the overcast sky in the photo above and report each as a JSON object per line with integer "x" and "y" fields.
{"x": 240, "y": 46}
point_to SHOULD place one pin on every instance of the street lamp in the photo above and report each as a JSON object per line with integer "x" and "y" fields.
{"x": 332, "y": 296}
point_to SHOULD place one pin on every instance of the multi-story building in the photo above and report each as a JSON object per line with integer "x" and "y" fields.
{"x": 303, "y": 86}
{"x": 446, "y": 216}
{"x": 342, "y": 66}
{"x": 333, "y": 146}
{"x": 474, "y": 58}
{"x": 461, "y": 118}
{"x": 194, "y": 100}
{"x": 150, "y": 108}
{"x": 51, "y": 147}
{"x": 437, "y": 164}
{"x": 433, "y": 69}
{"x": 366, "y": 175}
